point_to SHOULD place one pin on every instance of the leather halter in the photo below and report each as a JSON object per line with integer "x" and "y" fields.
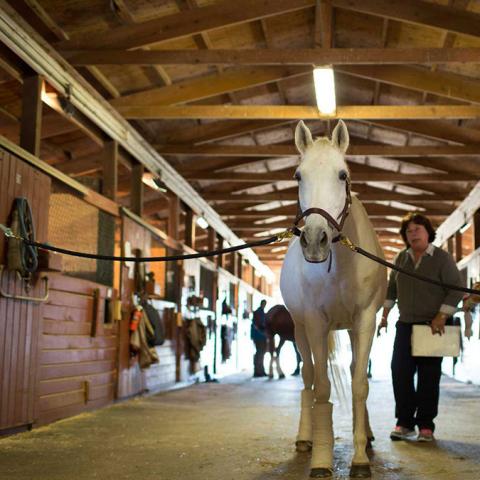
{"x": 330, "y": 220}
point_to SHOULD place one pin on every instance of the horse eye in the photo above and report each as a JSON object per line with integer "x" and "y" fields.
{"x": 343, "y": 175}
{"x": 297, "y": 176}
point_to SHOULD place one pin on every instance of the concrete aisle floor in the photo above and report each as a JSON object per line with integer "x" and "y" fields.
{"x": 237, "y": 429}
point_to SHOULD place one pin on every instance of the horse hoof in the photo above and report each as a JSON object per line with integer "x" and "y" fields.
{"x": 281, "y": 377}
{"x": 360, "y": 471}
{"x": 321, "y": 473}
{"x": 296, "y": 373}
{"x": 303, "y": 446}
{"x": 270, "y": 377}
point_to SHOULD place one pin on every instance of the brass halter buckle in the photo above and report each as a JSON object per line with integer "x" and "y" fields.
{"x": 286, "y": 235}
{"x": 348, "y": 243}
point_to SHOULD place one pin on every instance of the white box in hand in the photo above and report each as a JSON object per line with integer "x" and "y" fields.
{"x": 425, "y": 344}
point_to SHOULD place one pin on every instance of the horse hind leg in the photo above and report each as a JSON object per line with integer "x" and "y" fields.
{"x": 271, "y": 350}
{"x": 281, "y": 375}
{"x": 299, "y": 360}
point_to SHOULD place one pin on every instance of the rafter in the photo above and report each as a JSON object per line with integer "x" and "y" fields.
{"x": 209, "y": 86}
{"x": 444, "y": 84}
{"x": 272, "y": 56}
{"x": 290, "y": 150}
{"x": 373, "y": 210}
{"x": 419, "y": 13}
{"x": 221, "y": 14}
{"x": 383, "y": 195}
{"x": 358, "y": 177}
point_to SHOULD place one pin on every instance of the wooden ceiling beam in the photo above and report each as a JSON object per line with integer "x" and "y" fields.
{"x": 219, "y": 15}
{"x": 275, "y": 57}
{"x": 270, "y": 177}
{"x": 382, "y": 195}
{"x": 208, "y": 86}
{"x": 373, "y": 210}
{"x": 419, "y": 13}
{"x": 443, "y": 84}
{"x": 438, "y": 129}
{"x": 215, "y": 131}
{"x": 291, "y": 150}
{"x": 295, "y": 112}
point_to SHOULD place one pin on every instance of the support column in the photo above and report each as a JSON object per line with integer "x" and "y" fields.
{"x": 173, "y": 216}
{"x": 458, "y": 246}
{"x": 31, "y": 120}
{"x": 190, "y": 228}
{"x": 136, "y": 189}
{"x": 110, "y": 170}
{"x": 476, "y": 230}
{"x": 220, "y": 259}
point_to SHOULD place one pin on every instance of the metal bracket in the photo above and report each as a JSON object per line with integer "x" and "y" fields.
{"x": 24, "y": 297}
{"x": 7, "y": 231}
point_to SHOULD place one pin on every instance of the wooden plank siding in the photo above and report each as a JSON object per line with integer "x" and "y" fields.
{"x": 77, "y": 371}
{"x": 20, "y": 321}
{"x": 131, "y": 380}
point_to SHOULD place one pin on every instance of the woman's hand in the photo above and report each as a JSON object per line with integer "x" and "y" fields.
{"x": 438, "y": 323}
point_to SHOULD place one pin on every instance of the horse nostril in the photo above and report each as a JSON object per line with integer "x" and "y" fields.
{"x": 323, "y": 238}
{"x": 303, "y": 240}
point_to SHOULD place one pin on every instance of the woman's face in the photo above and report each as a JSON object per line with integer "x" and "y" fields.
{"x": 417, "y": 236}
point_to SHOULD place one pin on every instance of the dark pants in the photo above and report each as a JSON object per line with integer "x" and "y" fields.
{"x": 412, "y": 407}
{"x": 261, "y": 348}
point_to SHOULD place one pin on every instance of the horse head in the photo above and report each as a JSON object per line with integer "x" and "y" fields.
{"x": 323, "y": 188}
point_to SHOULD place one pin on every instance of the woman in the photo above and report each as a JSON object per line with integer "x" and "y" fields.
{"x": 418, "y": 302}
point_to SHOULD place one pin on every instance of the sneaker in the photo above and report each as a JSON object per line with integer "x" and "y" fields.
{"x": 401, "y": 433}
{"x": 425, "y": 435}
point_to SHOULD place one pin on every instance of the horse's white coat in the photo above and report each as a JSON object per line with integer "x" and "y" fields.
{"x": 320, "y": 301}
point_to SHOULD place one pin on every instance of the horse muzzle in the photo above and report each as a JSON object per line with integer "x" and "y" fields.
{"x": 316, "y": 244}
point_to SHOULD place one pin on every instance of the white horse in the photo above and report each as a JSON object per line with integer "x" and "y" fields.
{"x": 328, "y": 287}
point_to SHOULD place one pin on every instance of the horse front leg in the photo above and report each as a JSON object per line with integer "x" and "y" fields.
{"x": 364, "y": 329}
{"x": 304, "y": 435}
{"x": 322, "y": 452}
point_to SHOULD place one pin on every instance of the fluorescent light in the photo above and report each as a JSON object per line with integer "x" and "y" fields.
{"x": 202, "y": 223}
{"x": 464, "y": 228}
{"x": 324, "y": 82}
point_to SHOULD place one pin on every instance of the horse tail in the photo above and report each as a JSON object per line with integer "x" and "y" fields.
{"x": 339, "y": 373}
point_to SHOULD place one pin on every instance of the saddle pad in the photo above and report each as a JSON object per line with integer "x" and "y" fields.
{"x": 425, "y": 344}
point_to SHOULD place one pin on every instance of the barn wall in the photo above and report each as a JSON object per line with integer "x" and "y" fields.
{"x": 78, "y": 350}
{"x": 20, "y": 321}
{"x": 132, "y": 380}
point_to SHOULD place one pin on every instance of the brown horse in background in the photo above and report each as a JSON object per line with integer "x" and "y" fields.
{"x": 279, "y": 322}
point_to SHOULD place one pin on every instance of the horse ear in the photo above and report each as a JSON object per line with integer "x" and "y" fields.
{"x": 340, "y": 137}
{"x": 303, "y": 137}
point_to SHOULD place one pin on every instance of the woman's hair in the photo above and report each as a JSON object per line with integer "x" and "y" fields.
{"x": 418, "y": 219}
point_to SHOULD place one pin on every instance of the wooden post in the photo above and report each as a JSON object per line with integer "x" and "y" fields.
{"x": 136, "y": 189}
{"x": 220, "y": 260}
{"x": 239, "y": 266}
{"x": 110, "y": 170}
{"x": 451, "y": 245}
{"x": 173, "y": 216}
{"x": 31, "y": 121}
{"x": 458, "y": 246}
{"x": 190, "y": 228}
{"x": 476, "y": 230}
{"x": 211, "y": 239}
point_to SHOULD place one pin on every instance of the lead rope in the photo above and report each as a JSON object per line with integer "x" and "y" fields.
{"x": 275, "y": 238}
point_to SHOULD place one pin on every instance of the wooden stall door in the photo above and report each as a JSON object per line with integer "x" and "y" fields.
{"x": 20, "y": 321}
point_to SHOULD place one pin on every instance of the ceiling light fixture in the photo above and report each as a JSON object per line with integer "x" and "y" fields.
{"x": 202, "y": 223}
{"x": 324, "y": 81}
